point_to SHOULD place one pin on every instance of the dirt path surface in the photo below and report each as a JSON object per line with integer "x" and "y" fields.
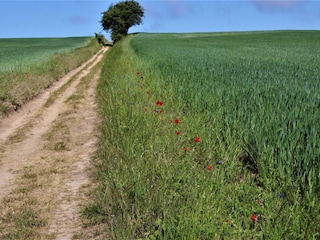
{"x": 45, "y": 152}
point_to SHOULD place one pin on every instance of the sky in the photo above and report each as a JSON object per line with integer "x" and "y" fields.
{"x": 67, "y": 18}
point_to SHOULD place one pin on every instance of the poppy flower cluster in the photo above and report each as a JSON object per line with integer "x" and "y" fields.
{"x": 158, "y": 103}
{"x": 159, "y": 110}
{"x": 254, "y": 218}
{"x": 139, "y": 73}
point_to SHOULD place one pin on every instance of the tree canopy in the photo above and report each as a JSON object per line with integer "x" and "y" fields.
{"x": 120, "y": 17}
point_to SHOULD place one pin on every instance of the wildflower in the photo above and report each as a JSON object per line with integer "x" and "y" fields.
{"x": 254, "y": 218}
{"x": 197, "y": 139}
{"x": 148, "y": 92}
{"x": 158, "y": 103}
{"x": 177, "y": 121}
{"x": 219, "y": 162}
{"x": 138, "y": 73}
{"x": 280, "y": 195}
{"x": 185, "y": 149}
{"x": 209, "y": 167}
{"x": 178, "y": 132}
{"x": 227, "y": 221}
{"x": 146, "y": 109}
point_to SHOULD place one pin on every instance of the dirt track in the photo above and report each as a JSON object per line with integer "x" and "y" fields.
{"x": 45, "y": 152}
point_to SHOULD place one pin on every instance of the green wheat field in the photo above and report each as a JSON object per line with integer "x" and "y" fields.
{"x": 17, "y": 54}
{"x": 210, "y": 136}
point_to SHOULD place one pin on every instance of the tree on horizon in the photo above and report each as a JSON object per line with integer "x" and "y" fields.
{"x": 120, "y": 17}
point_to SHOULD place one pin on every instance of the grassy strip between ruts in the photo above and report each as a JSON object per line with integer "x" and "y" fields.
{"x": 17, "y": 87}
{"x": 166, "y": 172}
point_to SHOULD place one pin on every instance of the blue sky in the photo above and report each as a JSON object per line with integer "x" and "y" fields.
{"x": 63, "y": 18}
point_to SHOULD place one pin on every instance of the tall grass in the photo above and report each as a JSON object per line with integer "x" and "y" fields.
{"x": 237, "y": 136}
{"x": 30, "y": 65}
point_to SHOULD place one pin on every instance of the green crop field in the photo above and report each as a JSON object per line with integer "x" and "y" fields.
{"x": 28, "y": 65}
{"x": 18, "y": 54}
{"x": 210, "y": 136}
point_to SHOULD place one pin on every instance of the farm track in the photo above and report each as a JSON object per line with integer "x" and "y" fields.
{"x": 45, "y": 151}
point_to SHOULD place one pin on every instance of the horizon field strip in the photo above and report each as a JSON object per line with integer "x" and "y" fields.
{"x": 19, "y": 54}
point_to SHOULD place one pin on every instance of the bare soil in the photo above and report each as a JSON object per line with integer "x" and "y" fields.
{"x": 45, "y": 153}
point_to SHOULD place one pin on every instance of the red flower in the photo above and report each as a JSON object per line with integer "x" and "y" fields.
{"x": 197, "y": 139}
{"x": 148, "y": 92}
{"x": 209, "y": 167}
{"x": 138, "y": 73}
{"x": 158, "y": 103}
{"x": 185, "y": 149}
{"x": 177, "y": 121}
{"x": 178, "y": 132}
{"x": 254, "y": 218}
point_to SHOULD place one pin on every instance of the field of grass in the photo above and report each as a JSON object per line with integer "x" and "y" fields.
{"x": 29, "y": 65}
{"x": 17, "y": 54}
{"x": 210, "y": 136}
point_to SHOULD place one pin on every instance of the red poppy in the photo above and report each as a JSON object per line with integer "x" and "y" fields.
{"x": 177, "y": 121}
{"x": 209, "y": 167}
{"x": 138, "y": 73}
{"x": 254, "y": 218}
{"x": 158, "y": 103}
{"x": 178, "y": 132}
{"x": 197, "y": 139}
{"x": 185, "y": 149}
